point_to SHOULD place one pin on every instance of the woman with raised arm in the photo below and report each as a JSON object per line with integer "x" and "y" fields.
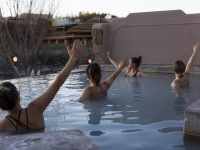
{"x": 31, "y": 118}
{"x": 132, "y": 69}
{"x": 182, "y": 72}
{"x": 96, "y": 89}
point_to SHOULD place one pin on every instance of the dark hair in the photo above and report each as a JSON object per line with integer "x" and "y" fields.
{"x": 94, "y": 73}
{"x": 136, "y": 61}
{"x": 179, "y": 68}
{"x": 8, "y": 95}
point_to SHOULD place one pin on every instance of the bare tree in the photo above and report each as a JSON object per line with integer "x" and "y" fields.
{"x": 21, "y": 33}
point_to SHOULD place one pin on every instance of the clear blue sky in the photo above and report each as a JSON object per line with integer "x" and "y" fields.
{"x": 122, "y": 8}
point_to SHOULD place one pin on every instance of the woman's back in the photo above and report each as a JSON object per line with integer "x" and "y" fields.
{"x": 23, "y": 121}
{"x": 96, "y": 89}
{"x": 98, "y": 92}
{"x": 183, "y": 81}
{"x": 31, "y": 118}
{"x": 181, "y": 71}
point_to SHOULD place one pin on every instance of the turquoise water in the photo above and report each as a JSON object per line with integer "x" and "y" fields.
{"x": 138, "y": 113}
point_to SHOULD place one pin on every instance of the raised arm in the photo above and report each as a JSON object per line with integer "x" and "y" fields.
{"x": 116, "y": 64}
{"x": 196, "y": 48}
{"x": 39, "y": 104}
{"x": 109, "y": 81}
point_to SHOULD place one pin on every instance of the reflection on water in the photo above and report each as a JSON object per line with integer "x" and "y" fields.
{"x": 134, "y": 88}
{"x": 96, "y": 110}
{"x": 181, "y": 98}
{"x": 96, "y": 133}
{"x": 138, "y": 113}
{"x": 191, "y": 143}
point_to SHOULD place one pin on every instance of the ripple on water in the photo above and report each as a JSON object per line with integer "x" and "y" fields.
{"x": 136, "y": 114}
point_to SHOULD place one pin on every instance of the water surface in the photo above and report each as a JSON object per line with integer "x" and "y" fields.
{"x": 139, "y": 113}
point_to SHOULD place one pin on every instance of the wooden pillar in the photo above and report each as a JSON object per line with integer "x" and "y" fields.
{"x": 65, "y": 42}
{"x": 85, "y": 42}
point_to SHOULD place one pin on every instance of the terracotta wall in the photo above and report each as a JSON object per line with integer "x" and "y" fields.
{"x": 159, "y": 37}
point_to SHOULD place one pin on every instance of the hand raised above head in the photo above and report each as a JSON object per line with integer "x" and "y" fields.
{"x": 108, "y": 54}
{"x": 123, "y": 63}
{"x": 196, "y": 47}
{"x": 76, "y": 49}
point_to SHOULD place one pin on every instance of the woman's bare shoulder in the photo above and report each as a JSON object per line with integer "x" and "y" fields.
{"x": 176, "y": 83}
{"x": 4, "y": 125}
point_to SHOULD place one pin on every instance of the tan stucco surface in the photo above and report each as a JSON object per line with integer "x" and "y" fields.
{"x": 159, "y": 37}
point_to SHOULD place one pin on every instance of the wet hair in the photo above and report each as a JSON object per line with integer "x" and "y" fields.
{"x": 8, "y": 96}
{"x": 136, "y": 61}
{"x": 94, "y": 73}
{"x": 179, "y": 68}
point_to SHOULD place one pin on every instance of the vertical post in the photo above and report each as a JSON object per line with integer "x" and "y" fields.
{"x": 85, "y": 42}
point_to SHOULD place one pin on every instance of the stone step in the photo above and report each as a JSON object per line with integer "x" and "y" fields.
{"x": 192, "y": 119}
{"x": 71, "y": 139}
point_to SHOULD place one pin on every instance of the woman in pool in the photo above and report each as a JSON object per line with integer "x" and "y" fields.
{"x": 132, "y": 69}
{"x": 31, "y": 118}
{"x": 96, "y": 89}
{"x": 182, "y": 72}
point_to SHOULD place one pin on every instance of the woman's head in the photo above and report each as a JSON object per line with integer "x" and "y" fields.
{"x": 8, "y": 96}
{"x": 94, "y": 73}
{"x": 179, "y": 68}
{"x": 135, "y": 61}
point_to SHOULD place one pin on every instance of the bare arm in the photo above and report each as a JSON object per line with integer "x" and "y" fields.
{"x": 143, "y": 74}
{"x": 196, "y": 48}
{"x": 39, "y": 104}
{"x": 116, "y": 64}
{"x": 109, "y": 81}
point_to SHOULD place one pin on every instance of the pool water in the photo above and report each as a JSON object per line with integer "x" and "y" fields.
{"x": 138, "y": 113}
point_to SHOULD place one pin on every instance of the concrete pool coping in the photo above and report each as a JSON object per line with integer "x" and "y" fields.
{"x": 145, "y": 67}
{"x": 192, "y": 119}
{"x": 69, "y": 139}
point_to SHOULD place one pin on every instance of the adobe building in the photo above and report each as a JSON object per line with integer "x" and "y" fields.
{"x": 160, "y": 37}
{"x": 63, "y": 32}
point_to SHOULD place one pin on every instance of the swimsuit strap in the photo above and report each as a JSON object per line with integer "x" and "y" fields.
{"x": 18, "y": 117}
{"x": 26, "y": 119}
{"x": 127, "y": 73}
{"x": 11, "y": 122}
{"x": 102, "y": 89}
{"x": 17, "y": 121}
{"x": 99, "y": 91}
{"x": 135, "y": 75}
{"x": 25, "y": 127}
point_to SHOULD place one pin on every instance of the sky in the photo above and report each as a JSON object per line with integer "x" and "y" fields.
{"x": 122, "y": 8}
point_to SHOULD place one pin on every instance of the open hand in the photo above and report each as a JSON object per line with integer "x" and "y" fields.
{"x": 108, "y": 55}
{"x": 196, "y": 47}
{"x": 123, "y": 63}
{"x": 76, "y": 49}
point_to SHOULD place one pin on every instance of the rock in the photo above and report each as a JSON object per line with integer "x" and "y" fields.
{"x": 192, "y": 119}
{"x": 71, "y": 139}
{"x": 45, "y": 70}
